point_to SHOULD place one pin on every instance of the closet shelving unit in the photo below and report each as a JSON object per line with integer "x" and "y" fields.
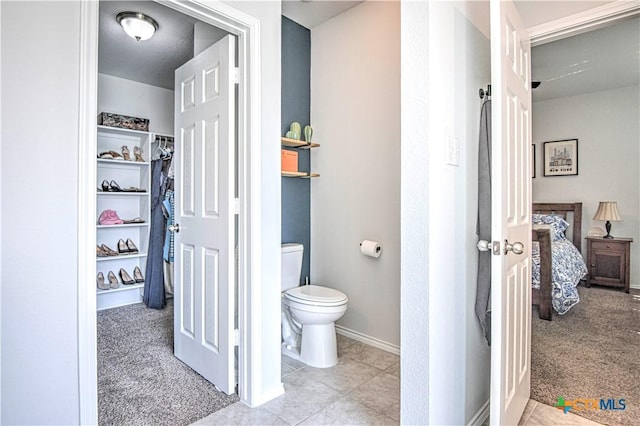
{"x": 128, "y": 205}
{"x": 298, "y": 144}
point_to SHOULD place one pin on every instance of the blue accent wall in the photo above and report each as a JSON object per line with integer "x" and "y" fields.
{"x": 296, "y": 101}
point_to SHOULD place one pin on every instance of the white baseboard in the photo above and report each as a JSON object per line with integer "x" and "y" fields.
{"x": 481, "y": 415}
{"x": 371, "y": 341}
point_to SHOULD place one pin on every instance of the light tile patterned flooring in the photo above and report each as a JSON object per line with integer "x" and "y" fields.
{"x": 536, "y": 413}
{"x": 362, "y": 389}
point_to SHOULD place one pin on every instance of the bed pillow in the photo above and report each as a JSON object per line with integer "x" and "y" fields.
{"x": 557, "y": 223}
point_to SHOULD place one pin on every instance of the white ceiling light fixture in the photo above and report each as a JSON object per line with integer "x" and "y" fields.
{"x": 137, "y": 25}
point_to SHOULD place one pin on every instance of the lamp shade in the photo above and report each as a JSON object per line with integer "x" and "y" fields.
{"x": 608, "y": 210}
{"x": 137, "y": 25}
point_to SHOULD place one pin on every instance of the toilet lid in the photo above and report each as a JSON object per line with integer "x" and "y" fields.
{"x": 315, "y": 294}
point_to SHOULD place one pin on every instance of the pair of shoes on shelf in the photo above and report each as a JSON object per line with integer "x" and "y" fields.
{"x": 105, "y": 251}
{"x": 110, "y": 155}
{"x": 102, "y": 285}
{"x": 137, "y": 153}
{"x": 128, "y": 247}
{"x": 134, "y": 189}
{"x": 136, "y": 220}
{"x": 111, "y": 186}
{"x": 126, "y": 278}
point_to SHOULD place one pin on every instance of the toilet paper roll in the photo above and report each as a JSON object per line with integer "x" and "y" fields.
{"x": 370, "y": 248}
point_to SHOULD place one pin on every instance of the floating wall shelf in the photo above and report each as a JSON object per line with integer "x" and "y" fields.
{"x": 294, "y": 143}
{"x": 302, "y": 175}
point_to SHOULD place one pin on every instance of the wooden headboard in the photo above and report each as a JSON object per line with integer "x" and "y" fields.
{"x": 562, "y": 209}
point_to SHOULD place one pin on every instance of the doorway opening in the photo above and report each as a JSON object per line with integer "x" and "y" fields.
{"x": 245, "y": 28}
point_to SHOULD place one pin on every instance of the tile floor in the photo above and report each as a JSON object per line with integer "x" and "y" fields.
{"x": 362, "y": 389}
{"x": 536, "y": 413}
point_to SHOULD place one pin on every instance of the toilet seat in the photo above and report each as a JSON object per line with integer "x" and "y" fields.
{"x": 316, "y": 295}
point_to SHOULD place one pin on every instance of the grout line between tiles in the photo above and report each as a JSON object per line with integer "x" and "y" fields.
{"x": 535, "y": 405}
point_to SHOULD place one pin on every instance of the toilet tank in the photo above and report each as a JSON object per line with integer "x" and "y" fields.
{"x": 291, "y": 265}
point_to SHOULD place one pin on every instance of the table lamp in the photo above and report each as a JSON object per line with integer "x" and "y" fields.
{"x": 608, "y": 211}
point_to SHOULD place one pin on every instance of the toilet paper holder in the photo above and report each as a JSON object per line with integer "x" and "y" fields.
{"x": 371, "y": 248}
{"x": 377, "y": 248}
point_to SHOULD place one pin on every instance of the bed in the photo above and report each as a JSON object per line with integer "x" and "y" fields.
{"x": 557, "y": 263}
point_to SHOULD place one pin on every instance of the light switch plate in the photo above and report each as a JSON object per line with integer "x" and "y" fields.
{"x": 453, "y": 151}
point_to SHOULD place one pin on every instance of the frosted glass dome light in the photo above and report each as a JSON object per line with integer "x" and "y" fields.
{"x": 137, "y": 25}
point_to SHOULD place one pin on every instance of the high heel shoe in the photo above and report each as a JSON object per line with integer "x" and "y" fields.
{"x": 100, "y": 282}
{"x": 114, "y": 187}
{"x": 137, "y": 153}
{"x": 122, "y": 247}
{"x": 137, "y": 275}
{"x": 125, "y": 153}
{"x": 131, "y": 247}
{"x": 100, "y": 252}
{"x": 113, "y": 281}
{"x": 105, "y": 248}
{"x": 105, "y": 185}
{"x": 126, "y": 278}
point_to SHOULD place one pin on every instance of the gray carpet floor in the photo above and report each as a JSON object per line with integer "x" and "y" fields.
{"x": 593, "y": 351}
{"x": 140, "y": 382}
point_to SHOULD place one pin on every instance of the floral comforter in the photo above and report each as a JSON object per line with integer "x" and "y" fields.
{"x": 567, "y": 268}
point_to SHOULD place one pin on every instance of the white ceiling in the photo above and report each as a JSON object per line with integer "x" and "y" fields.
{"x": 598, "y": 60}
{"x": 536, "y": 12}
{"x": 603, "y": 59}
{"x": 311, "y": 13}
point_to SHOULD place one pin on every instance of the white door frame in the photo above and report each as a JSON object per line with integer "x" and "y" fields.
{"x": 589, "y": 20}
{"x": 247, "y": 30}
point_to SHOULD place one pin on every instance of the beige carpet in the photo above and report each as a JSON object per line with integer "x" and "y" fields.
{"x": 140, "y": 382}
{"x": 593, "y": 351}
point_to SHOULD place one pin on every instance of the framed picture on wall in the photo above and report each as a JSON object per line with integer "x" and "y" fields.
{"x": 533, "y": 161}
{"x": 561, "y": 158}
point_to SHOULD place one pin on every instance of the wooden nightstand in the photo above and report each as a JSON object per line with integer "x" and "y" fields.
{"x": 608, "y": 261}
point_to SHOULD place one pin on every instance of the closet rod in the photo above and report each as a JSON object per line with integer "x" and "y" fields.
{"x": 486, "y": 93}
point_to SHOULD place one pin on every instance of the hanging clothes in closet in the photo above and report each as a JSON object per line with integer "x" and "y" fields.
{"x": 168, "y": 249}
{"x": 154, "y": 296}
{"x": 154, "y": 286}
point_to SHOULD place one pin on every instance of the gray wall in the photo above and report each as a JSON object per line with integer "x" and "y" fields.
{"x": 296, "y": 69}
{"x": 355, "y": 84}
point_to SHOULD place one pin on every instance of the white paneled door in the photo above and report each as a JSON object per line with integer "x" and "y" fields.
{"x": 204, "y": 164}
{"x": 511, "y": 215}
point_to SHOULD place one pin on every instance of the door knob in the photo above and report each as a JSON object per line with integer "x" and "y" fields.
{"x": 174, "y": 228}
{"x": 516, "y": 248}
{"x": 484, "y": 245}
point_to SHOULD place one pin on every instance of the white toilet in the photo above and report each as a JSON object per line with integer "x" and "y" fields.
{"x": 308, "y": 314}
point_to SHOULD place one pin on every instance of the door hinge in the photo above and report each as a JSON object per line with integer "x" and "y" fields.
{"x": 236, "y": 206}
{"x": 236, "y": 337}
{"x": 236, "y": 75}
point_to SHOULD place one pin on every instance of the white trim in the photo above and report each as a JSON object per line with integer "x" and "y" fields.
{"x": 87, "y": 106}
{"x": 247, "y": 29}
{"x": 371, "y": 341}
{"x": 588, "y": 20}
{"x": 481, "y": 415}
{"x": 0, "y": 215}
